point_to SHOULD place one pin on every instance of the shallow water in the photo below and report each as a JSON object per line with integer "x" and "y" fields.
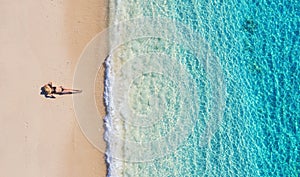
{"x": 219, "y": 99}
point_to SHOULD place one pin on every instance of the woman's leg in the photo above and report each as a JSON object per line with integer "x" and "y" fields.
{"x": 69, "y": 91}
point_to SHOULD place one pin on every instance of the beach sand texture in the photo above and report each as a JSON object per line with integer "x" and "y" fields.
{"x": 41, "y": 41}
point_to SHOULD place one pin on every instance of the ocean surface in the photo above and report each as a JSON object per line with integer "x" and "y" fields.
{"x": 203, "y": 88}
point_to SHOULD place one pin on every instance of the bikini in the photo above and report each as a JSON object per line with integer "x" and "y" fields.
{"x": 54, "y": 89}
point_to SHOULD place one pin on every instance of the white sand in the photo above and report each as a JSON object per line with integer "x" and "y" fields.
{"x": 41, "y": 41}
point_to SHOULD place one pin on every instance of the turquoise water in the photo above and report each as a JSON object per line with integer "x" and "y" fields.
{"x": 245, "y": 125}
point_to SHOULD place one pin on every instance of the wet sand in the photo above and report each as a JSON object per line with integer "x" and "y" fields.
{"x": 41, "y": 42}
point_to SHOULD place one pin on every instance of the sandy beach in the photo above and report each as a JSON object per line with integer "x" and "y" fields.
{"x": 41, "y": 41}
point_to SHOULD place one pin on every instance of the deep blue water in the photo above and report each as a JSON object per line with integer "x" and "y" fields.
{"x": 258, "y": 46}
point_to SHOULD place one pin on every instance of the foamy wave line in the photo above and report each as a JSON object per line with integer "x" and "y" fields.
{"x": 114, "y": 167}
{"x": 107, "y": 119}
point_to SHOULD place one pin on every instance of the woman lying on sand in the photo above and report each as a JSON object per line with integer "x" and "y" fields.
{"x": 48, "y": 90}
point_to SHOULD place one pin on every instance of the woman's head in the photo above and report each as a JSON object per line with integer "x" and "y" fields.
{"x": 46, "y": 89}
